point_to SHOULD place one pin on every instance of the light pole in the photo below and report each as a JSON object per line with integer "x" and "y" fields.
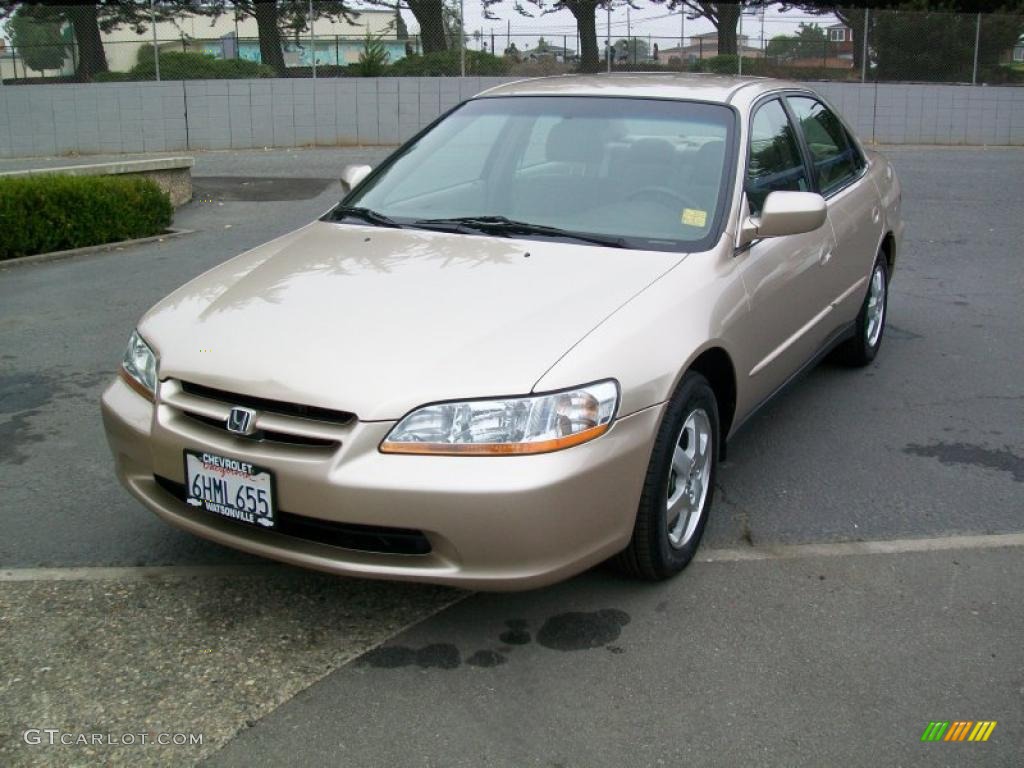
{"x": 739, "y": 46}
{"x": 682, "y": 36}
{"x": 608, "y": 42}
{"x": 312, "y": 39}
{"x": 156, "y": 48}
{"x": 977, "y": 42}
{"x": 864, "y": 51}
{"x": 462, "y": 37}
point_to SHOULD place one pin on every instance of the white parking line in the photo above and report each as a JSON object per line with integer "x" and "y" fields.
{"x": 769, "y": 552}
{"x": 846, "y": 548}
{"x": 125, "y": 573}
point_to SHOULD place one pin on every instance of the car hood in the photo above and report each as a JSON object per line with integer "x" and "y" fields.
{"x": 377, "y": 321}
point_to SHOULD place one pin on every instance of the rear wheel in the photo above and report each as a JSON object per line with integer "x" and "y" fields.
{"x": 862, "y": 348}
{"x": 679, "y": 486}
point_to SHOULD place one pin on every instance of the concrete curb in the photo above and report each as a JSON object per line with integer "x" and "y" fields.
{"x": 42, "y": 258}
{"x": 112, "y": 168}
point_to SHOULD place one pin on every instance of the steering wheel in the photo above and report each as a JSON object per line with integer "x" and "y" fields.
{"x": 664, "y": 193}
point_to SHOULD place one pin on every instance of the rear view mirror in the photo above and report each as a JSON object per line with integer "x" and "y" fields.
{"x": 351, "y": 175}
{"x": 785, "y": 213}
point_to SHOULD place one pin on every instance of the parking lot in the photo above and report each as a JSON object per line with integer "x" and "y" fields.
{"x": 860, "y": 575}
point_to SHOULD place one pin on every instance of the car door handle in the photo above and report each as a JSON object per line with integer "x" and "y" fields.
{"x": 875, "y": 214}
{"x": 826, "y": 255}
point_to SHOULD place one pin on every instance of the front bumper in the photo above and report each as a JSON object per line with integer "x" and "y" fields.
{"x": 506, "y": 522}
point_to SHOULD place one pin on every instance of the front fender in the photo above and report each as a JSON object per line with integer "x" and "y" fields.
{"x": 648, "y": 344}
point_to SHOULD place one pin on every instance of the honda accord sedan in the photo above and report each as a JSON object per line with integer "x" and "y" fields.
{"x": 516, "y": 348}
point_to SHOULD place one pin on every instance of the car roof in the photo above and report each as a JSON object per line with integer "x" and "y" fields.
{"x": 662, "y": 85}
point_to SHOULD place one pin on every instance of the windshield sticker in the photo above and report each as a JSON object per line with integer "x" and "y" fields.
{"x": 694, "y": 218}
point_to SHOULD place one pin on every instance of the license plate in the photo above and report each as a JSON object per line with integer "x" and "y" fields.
{"x": 230, "y": 487}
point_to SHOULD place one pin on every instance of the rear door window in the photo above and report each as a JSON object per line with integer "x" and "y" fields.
{"x": 836, "y": 159}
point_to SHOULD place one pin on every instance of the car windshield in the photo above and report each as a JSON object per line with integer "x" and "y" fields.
{"x": 640, "y": 173}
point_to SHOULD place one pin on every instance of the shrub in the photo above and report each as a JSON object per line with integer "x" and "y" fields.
{"x": 175, "y": 65}
{"x": 726, "y": 65}
{"x": 39, "y": 214}
{"x": 446, "y": 63}
{"x": 373, "y": 59}
{"x": 643, "y": 66}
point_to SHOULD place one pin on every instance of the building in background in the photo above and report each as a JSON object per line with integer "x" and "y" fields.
{"x": 338, "y": 42}
{"x": 840, "y": 42}
{"x": 705, "y": 46}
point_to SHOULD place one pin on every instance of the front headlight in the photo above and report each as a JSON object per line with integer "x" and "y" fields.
{"x": 139, "y": 366}
{"x": 508, "y": 425}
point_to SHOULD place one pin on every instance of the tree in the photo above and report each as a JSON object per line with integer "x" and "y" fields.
{"x": 452, "y": 20}
{"x": 88, "y": 20}
{"x": 37, "y": 34}
{"x": 401, "y": 30}
{"x": 585, "y": 13}
{"x": 271, "y": 16}
{"x": 892, "y": 36}
{"x": 810, "y": 41}
{"x": 430, "y": 15}
{"x": 918, "y": 42}
{"x": 848, "y": 14}
{"x": 723, "y": 16}
{"x": 433, "y": 19}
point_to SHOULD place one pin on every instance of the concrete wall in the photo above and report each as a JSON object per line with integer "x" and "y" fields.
{"x": 241, "y": 114}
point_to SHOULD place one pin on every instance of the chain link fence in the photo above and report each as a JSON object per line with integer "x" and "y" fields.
{"x": 191, "y": 40}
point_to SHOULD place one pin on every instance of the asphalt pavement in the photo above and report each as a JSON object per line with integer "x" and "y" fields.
{"x": 809, "y": 660}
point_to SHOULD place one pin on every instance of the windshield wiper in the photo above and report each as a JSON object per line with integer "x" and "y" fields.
{"x": 502, "y": 225}
{"x": 368, "y": 215}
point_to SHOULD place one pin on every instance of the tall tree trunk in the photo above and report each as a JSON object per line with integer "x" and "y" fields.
{"x": 586, "y": 23}
{"x": 854, "y": 19}
{"x": 430, "y": 16}
{"x": 91, "y": 57}
{"x": 728, "y": 17}
{"x": 270, "y": 36}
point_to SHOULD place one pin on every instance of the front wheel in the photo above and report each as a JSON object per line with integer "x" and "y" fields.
{"x": 862, "y": 348}
{"x": 679, "y": 485}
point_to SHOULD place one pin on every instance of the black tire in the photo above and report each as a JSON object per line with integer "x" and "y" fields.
{"x": 650, "y": 554}
{"x": 859, "y": 350}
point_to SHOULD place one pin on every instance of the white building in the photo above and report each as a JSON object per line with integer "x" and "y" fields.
{"x": 337, "y": 42}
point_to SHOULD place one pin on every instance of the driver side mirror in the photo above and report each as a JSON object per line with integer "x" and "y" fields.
{"x": 351, "y": 175}
{"x": 784, "y": 213}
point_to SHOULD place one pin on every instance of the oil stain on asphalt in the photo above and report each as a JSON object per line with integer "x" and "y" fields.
{"x": 969, "y": 454}
{"x": 580, "y": 631}
{"x": 22, "y": 395}
{"x": 574, "y": 631}
{"x": 26, "y": 395}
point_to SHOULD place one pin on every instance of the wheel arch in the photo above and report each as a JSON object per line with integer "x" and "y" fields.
{"x": 888, "y": 247}
{"x": 715, "y": 364}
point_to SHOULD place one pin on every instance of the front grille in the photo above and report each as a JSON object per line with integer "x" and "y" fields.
{"x": 270, "y": 406}
{"x": 265, "y": 434}
{"x": 363, "y": 538}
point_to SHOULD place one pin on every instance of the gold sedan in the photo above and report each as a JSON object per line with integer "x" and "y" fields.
{"x": 517, "y": 347}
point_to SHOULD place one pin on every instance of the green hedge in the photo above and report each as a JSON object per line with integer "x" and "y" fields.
{"x": 39, "y": 214}
{"x": 175, "y": 65}
{"x": 447, "y": 63}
